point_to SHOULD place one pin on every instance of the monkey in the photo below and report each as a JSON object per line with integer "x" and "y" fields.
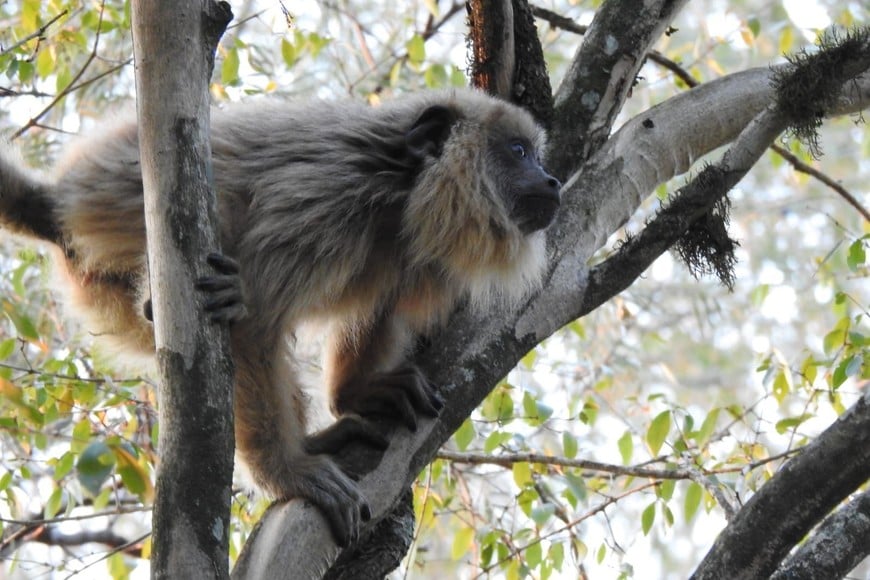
{"x": 377, "y": 221}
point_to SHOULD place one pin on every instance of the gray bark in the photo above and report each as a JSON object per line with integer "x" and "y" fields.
{"x": 174, "y": 44}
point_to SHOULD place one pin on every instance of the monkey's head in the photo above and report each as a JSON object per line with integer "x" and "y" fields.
{"x": 506, "y": 148}
{"x": 482, "y": 196}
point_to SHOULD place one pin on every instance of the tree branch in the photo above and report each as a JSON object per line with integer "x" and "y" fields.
{"x": 491, "y": 32}
{"x": 174, "y": 46}
{"x": 601, "y": 75}
{"x": 837, "y": 546}
{"x": 806, "y": 489}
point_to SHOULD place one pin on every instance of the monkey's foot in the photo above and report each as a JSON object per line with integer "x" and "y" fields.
{"x": 317, "y": 479}
{"x": 404, "y": 393}
{"x": 225, "y": 302}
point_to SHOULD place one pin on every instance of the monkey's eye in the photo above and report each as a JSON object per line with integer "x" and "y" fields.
{"x": 519, "y": 149}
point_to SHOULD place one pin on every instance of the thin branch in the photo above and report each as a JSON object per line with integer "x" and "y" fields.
{"x": 70, "y": 87}
{"x": 38, "y": 34}
{"x": 802, "y": 167}
{"x": 509, "y": 459}
{"x": 610, "y": 500}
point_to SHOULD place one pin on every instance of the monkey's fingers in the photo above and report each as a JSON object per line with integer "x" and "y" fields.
{"x": 416, "y": 387}
{"x": 225, "y": 302}
{"x": 223, "y": 264}
{"x": 348, "y": 429}
{"x": 317, "y": 479}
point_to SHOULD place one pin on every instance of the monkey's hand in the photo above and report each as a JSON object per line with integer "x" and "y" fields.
{"x": 225, "y": 302}
{"x": 403, "y": 393}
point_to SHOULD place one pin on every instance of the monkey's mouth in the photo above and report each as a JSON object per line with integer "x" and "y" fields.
{"x": 535, "y": 211}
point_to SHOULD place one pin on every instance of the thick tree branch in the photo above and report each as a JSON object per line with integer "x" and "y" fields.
{"x": 648, "y": 150}
{"x": 174, "y": 45}
{"x": 531, "y": 83}
{"x": 783, "y": 511}
{"x": 564, "y": 23}
{"x": 601, "y": 75}
{"x": 491, "y": 32}
{"x": 836, "y": 547}
{"x": 476, "y": 350}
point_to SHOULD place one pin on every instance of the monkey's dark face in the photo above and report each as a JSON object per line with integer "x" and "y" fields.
{"x": 531, "y": 194}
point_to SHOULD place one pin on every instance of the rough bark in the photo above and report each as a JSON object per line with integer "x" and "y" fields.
{"x": 838, "y": 545}
{"x": 601, "y": 75}
{"x": 174, "y": 45}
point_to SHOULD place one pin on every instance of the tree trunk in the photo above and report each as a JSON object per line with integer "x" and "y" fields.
{"x": 174, "y": 44}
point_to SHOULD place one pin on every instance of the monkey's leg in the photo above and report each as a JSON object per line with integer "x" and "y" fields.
{"x": 270, "y": 412}
{"x": 366, "y": 375}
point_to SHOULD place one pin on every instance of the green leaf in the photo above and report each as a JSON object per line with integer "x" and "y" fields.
{"x": 791, "y": 422}
{"x": 835, "y": 339}
{"x": 856, "y": 256}
{"x": 542, "y": 513}
{"x": 569, "y": 445}
{"x": 556, "y": 554}
{"x": 658, "y": 431}
{"x": 64, "y": 465}
{"x": 848, "y": 367}
{"x": 230, "y": 67}
{"x": 7, "y": 347}
{"x": 692, "y": 501}
{"x": 495, "y": 439}
{"x": 522, "y": 471}
{"x": 94, "y": 466}
{"x": 647, "y": 518}
{"x": 755, "y": 26}
{"x": 463, "y": 541}
{"x": 54, "y": 503}
{"x": 533, "y": 555}
{"x": 707, "y": 427}
{"x": 626, "y": 447}
{"x": 666, "y": 489}
{"x": 529, "y": 359}
{"x": 289, "y": 52}
{"x": 464, "y": 435}
{"x": 416, "y": 49}
{"x": 782, "y": 384}
{"x": 45, "y": 63}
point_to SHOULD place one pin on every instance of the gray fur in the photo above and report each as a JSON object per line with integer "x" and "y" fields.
{"x": 330, "y": 215}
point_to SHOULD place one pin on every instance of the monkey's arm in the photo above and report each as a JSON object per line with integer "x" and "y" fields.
{"x": 367, "y": 375}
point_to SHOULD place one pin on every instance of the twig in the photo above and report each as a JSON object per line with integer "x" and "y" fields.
{"x": 70, "y": 87}
{"x": 39, "y": 34}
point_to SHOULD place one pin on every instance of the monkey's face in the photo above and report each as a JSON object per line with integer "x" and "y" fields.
{"x": 529, "y": 192}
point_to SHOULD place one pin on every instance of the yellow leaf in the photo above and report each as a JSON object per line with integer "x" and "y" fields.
{"x": 463, "y": 542}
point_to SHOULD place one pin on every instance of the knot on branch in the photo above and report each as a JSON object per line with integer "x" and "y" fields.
{"x": 808, "y": 89}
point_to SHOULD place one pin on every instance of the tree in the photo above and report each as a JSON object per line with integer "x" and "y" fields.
{"x": 196, "y": 387}
{"x": 609, "y": 174}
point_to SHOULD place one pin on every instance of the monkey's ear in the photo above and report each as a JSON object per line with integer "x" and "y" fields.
{"x": 430, "y": 131}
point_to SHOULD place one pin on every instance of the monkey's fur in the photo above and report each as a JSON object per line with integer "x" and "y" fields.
{"x": 377, "y": 220}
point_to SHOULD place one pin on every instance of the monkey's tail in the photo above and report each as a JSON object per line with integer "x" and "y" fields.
{"x": 27, "y": 206}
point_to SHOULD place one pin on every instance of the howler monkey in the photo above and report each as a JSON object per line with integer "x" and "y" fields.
{"x": 375, "y": 219}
